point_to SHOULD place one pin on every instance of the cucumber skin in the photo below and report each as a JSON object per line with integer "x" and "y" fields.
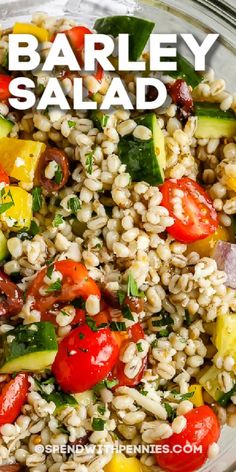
{"x": 138, "y": 29}
{"x": 5, "y": 127}
{"x": 185, "y": 70}
{"x": 4, "y": 253}
{"x": 212, "y": 110}
{"x": 27, "y": 342}
{"x": 213, "y": 122}
{"x": 140, "y": 156}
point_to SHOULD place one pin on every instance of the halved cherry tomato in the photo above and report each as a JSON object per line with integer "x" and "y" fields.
{"x": 85, "y": 357}
{"x": 135, "y": 334}
{"x": 76, "y": 37}
{"x": 191, "y": 208}
{"x": 3, "y": 176}
{"x": 201, "y": 431}
{"x": 75, "y": 283}
{"x": 4, "y": 86}
{"x": 13, "y": 397}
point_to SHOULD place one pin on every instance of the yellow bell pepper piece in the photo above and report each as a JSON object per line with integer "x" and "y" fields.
{"x": 120, "y": 463}
{"x": 28, "y": 28}
{"x": 19, "y": 214}
{"x": 205, "y": 247}
{"x": 19, "y": 157}
{"x": 230, "y": 183}
{"x": 197, "y": 398}
{"x": 225, "y": 335}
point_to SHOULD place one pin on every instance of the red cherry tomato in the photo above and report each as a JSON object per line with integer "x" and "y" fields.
{"x": 135, "y": 334}
{"x": 84, "y": 358}
{"x": 75, "y": 283}
{"x": 76, "y": 37}
{"x": 201, "y": 431}
{"x": 3, "y": 176}
{"x": 12, "y": 398}
{"x": 4, "y": 86}
{"x": 191, "y": 208}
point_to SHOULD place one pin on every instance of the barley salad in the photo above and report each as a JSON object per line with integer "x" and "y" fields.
{"x": 117, "y": 250}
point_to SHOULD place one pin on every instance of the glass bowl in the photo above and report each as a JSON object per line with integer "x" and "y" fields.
{"x": 177, "y": 16}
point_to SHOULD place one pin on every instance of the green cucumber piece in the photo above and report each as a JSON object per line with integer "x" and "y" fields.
{"x": 99, "y": 119}
{"x": 138, "y": 29}
{"x": 186, "y": 71}
{"x": 212, "y": 122}
{"x": 3, "y": 247}
{"x": 5, "y": 127}
{"x": 145, "y": 160}
{"x": 209, "y": 382}
{"x": 31, "y": 347}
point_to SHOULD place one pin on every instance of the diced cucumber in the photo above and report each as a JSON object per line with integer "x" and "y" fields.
{"x": 145, "y": 160}
{"x": 85, "y": 398}
{"x": 138, "y": 29}
{"x": 31, "y": 347}
{"x": 214, "y": 123}
{"x": 210, "y": 383}
{"x": 5, "y": 126}
{"x": 3, "y": 247}
{"x": 225, "y": 335}
{"x": 186, "y": 71}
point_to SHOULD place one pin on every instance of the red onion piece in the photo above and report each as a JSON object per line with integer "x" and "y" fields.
{"x": 225, "y": 257}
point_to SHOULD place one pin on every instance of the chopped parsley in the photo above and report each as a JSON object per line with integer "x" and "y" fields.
{"x": 58, "y": 175}
{"x": 98, "y": 424}
{"x": 79, "y": 303}
{"x": 171, "y": 413}
{"x": 58, "y": 220}
{"x": 117, "y": 326}
{"x": 34, "y": 229}
{"x": 55, "y": 287}
{"x": 37, "y": 199}
{"x": 139, "y": 347}
{"x": 180, "y": 396}
{"x": 105, "y": 384}
{"x": 81, "y": 335}
{"x": 187, "y": 319}
{"x": 4, "y": 206}
{"x": 74, "y": 205}
{"x": 121, "y": 297}
{"x": 89, "y": 162}
{"x": 144, "y": 392}
{"x": 101, "y": 409}
{"x": 132, "y": 290}
{"x": 50, "y": 270}
{"x": 126, "y": 312}
{"x": 91, "y": 323}
{"x": 71, "y": 124}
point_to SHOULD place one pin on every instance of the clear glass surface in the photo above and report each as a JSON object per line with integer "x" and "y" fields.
{"x": 178, "y": 16}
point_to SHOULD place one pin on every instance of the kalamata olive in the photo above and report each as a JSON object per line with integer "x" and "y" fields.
{"x": 78, "y": 228}
{"x": 181, "y": 96}
{"x": 12, "y": 302}
{"x": 110, "y": 297}
{"x": 61, "y": 176}
{"x": 13, "y": 468}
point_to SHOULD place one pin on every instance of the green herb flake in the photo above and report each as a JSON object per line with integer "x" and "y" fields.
{"x": 74, "y": 205}
{"x": 89, "y": 162}
{"x": 171, "y": 413}
{"x": 101, "y": 409}
{"x": 126, "y": 312}
{"x": 117, "y": 326}
{"x": 50, "y": 270}
{"x": 4, "y": 206}
{"x": 81, "y": 335}
{"x": 98, "y": 424}
{"x": 91, "y": 323}
{"x": 180, "y": 396}
{"x": 71, "y": 124}
{"x": 139, "y": 347}
{"x": 55, "y": 287}
{"x": 132, "y": 289}
{"x": 34, "y": 228}
{"x": 121, "y": 297}
{"x": 58, "y": 175}
{"x": 63, "y": 429}
{"x": 37, "y": 199}
{"x": 111, "y": 383}
{"x": 58, "y": 220}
